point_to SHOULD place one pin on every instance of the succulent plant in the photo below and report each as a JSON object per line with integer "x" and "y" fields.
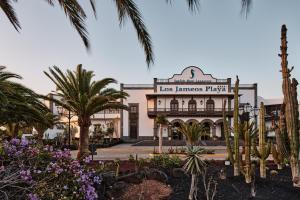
{"x": 289, "y": 116}
{"x": 233, "y": 153}
{"x": 264, "y": 148}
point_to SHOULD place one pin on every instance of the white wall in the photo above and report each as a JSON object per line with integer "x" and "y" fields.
{"x": 247, "y": 96}
{"x": 145, "y": 123}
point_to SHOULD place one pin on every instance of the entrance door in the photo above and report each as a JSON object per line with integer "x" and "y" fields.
{"x": 133, "y": 130}
{"x": 133, "y": 121}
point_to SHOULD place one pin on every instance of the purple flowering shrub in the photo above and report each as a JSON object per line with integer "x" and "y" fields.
{"x": 31, "y": 172}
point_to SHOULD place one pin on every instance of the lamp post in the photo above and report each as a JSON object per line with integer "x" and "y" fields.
{"x": 69, "y": 116}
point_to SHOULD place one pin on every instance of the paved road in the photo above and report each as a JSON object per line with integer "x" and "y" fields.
{"x": 122, "y": 151}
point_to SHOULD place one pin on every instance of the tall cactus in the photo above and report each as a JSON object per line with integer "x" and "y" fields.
{"x": 289, "y": 89}
{"x": 282, "y": 138}
{"x": 233, "y": 156}
{"x": 248, "y": 131}
{"x": 264, "y": 149}
{"x": 277, "y": 156}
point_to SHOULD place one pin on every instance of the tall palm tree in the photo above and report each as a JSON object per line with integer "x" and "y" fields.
{"x": 84, "y": 97}
{"x": 193, "y": 132}
{"x": 194, "y": 166}
{"x": 161, "y": 121}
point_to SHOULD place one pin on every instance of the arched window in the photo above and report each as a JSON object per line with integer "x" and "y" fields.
{"x": 192, "y": 105}
{"x": 210, "y": 105}
{"x": 174, "y": 105}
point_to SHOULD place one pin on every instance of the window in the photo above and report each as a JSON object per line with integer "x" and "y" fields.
{"x": 192, "y": 105}
{"x": 210, "y": 105}
{"x": 133, "y": 109}
{"x": 174, "y": 105}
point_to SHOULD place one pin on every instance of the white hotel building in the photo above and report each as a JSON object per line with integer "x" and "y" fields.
{"x": 191, "y": 96}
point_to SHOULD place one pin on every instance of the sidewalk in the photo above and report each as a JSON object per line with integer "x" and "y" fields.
{"x": 122, "y": 151}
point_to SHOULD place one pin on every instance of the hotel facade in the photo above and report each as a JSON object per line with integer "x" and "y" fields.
{"x": 190, "y": 96}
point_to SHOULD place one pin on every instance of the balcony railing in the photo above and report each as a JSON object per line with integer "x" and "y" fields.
{"x": 191, "y": 81}
{"x": 189, "y": 112}
{"x": 109, "y": 111}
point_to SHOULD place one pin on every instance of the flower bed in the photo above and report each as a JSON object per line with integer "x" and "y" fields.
{"x": 37, "y": 172}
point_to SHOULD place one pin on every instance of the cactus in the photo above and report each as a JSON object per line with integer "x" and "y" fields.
{"x": 117, "y": 163}
{"x": 264, "y": 149}
{"x": 233, "y": 156}
{"x": 277, "y": 156}
{"x": 248, "y": 130}
{"x": 282, "y": 139}
{"x": 291, "y": 112}
{"x": 280, "y": 151}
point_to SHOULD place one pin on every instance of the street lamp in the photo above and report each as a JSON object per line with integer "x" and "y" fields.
{"x": 69, "y": 116}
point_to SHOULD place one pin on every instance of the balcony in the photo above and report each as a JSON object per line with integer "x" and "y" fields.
{"x": 185, "y": 112}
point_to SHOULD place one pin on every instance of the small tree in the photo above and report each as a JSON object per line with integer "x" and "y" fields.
{"x": 161, "y": 121}
{"x": 193, "y": 132}
{"x": 194, "y": 166}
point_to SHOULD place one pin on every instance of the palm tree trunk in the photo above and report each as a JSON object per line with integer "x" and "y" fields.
{"x": 40, "y": 136}
{"x": 160, "y": 150}
{"x": 15, "y": 130}
{"x": 84, "y": 138}
{"x": 193, "y": 189}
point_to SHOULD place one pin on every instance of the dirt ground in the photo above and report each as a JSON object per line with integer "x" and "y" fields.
{"x": 275, "y": 187}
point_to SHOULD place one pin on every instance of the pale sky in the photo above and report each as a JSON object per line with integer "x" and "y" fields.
{"x": 216, "y": 39}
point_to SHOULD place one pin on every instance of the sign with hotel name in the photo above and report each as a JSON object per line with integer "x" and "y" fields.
{"x": 192, "y": 89}
{"x": 192, "y": 74}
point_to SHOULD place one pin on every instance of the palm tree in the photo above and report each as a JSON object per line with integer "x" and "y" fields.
{"x": 84, "y": 97}
{"x": 194, "y": 166}
{"x": 193, "y": 132}
{"x": 5, "y": 85}
{"x": 161, "y": 121}
{"x": 20, "y": 107}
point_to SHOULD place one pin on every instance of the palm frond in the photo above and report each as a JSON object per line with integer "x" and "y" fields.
{"x": 93, "y": 5}
{"x": 192, "y": 132}
{"x": 127, "y": 8}
{"x": 246, "y": 7}
{"x": 194, "y": 5}
{"x": 193, "y": 163}
{"x": 161, "y": 119}
{"x": 77, "y": 16}
{"x": 83, "y": 96}
{"x": 7, "y": 8}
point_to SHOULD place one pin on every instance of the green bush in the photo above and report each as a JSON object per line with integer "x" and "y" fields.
{"x": 165, "y": 161}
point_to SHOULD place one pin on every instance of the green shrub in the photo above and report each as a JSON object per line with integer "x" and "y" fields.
{"x": 131, "y": 158}
{"x": 165, "y": 161}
